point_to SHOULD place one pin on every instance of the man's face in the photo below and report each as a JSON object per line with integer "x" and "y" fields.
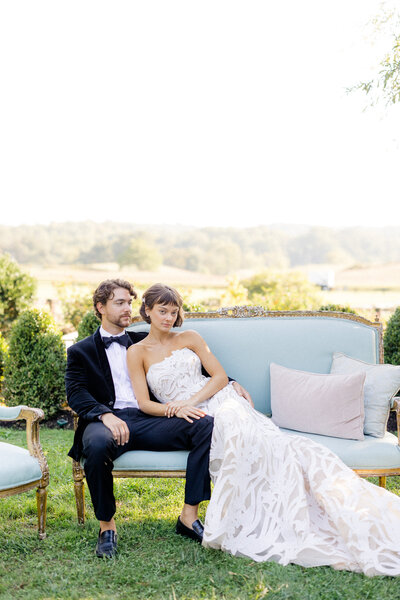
{"x": 116, "y": 312}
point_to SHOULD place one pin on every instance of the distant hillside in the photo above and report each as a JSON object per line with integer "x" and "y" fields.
{"x": 218, "y": 251}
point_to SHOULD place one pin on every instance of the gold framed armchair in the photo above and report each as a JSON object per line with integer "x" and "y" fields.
{"x": 21, "y": 469}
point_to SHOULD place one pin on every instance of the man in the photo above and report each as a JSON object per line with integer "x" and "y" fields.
{"x": 110, "y": 423}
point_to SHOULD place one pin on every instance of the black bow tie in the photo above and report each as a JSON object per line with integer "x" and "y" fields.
{"x": 124, "y": 340}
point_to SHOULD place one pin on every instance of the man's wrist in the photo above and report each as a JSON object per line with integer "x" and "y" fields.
{"x": 102, "y": 415}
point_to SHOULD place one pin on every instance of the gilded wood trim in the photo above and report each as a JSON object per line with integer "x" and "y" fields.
{"x": 377, "y": 472}
{"x": 32, "y": 417}
{"x": 19, "y": 488}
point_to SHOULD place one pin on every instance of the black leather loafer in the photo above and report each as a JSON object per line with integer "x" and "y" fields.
{"x": 106, "y": 544}
{"x": 194, "y": 534}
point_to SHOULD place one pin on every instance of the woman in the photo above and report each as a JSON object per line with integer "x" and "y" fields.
{"x": 276, "y": 497}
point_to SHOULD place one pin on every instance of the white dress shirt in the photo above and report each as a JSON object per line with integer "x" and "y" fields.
{"x": 116, "y": 354}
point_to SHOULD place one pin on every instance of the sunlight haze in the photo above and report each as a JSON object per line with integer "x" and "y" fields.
{"x": 202, "y": 113}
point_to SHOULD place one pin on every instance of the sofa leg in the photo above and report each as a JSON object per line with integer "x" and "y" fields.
{"x": 382, "y": 481}
{"x": 79, "y": 489}
{"x": 41, "y": 500}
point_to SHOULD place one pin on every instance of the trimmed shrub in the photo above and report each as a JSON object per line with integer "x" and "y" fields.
{"x": 35, "y": 365}
{"x": 391, "y": 339}
{"x": 88, "y": 325}
{"x": 16, "y": 292}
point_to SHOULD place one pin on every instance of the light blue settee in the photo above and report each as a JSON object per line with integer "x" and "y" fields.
{"x": 246, "y": 341}
{"x": 21, "y": 469}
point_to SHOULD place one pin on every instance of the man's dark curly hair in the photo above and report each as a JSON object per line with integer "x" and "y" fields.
{"x": 105, "y": 291}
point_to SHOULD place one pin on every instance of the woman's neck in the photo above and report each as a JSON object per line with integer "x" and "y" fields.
{"x": 159, "y": 337}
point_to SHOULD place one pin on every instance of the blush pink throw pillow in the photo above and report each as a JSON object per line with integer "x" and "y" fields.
{"x": 330, "y": 405}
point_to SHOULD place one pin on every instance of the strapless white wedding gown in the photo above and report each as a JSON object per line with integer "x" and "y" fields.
{"x": 279, "y": 497}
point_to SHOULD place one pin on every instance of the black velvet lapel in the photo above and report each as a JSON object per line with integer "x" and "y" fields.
{"x": 104, "y": 364}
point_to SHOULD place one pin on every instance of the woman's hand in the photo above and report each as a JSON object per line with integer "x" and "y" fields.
{"x": 172, "y": 408}
{"x": 189, "y": 413}
{"x": 242, "y": 392}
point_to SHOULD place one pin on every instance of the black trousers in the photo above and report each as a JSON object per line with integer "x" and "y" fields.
{"x": 146, "y": 433}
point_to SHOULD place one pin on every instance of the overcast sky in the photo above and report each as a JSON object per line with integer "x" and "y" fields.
{"x": 213, "y": 112}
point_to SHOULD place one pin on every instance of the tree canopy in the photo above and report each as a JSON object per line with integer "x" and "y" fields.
{"x": 384, "y": 87}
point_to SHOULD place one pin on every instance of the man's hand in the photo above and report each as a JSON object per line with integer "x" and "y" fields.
{"x": 242, "y": 392}
{"x": 117, "y": 426}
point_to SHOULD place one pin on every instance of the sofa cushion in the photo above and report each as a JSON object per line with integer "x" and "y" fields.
{"x": 371, "y": 453}
{"x": 150, "y": 460}
{"x": 381, "y": 384}
{"x": 318, "y": 403}
{"x": 18, "y": 467}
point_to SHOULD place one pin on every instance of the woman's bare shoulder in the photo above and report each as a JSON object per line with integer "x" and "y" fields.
{"x": 137, "y": 350}
{"x": 190, "y": 336}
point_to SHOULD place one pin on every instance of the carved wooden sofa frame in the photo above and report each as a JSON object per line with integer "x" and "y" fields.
{"x": 32, "y": 416}
{"x": 231, "y": 334}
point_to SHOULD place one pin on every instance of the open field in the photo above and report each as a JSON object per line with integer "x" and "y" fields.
{"x": 363, "y": 288}
{"x": 87, "y": 278}
{"x": 153, "y": 562}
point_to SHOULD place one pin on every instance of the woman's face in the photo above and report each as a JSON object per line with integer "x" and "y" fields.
{"x": 163, "y": 316}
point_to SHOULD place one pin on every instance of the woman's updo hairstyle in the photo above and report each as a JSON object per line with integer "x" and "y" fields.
{"x": 161, "y": 294}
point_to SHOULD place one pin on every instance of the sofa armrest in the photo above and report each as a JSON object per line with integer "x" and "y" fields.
{"x": 32, "y": 416}
{"x": 396, "y": 407}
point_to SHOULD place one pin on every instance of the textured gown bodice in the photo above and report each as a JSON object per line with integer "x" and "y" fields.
{"x": 282, "y": 497}
{"x": 177, "y": 377}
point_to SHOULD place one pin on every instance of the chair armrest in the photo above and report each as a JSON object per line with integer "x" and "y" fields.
{"x": 32, "y": 416}
{"x": 76, "y": 419}
{"x": 13, "y": 413}
{"x": 396, "y": 407}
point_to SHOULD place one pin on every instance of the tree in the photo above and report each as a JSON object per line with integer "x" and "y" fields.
{"x": 235, "y": 293}
{"x": 222, "y": 258}
{"x": 282, "y": 291}
{"x": 385, "y": 86}
{"x": 35, "y": 365}
{"x": 141, "y": 253}
{"x": 16, "y": 292}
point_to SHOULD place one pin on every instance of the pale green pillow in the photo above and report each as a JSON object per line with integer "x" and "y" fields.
{"x": 381, "y": 384}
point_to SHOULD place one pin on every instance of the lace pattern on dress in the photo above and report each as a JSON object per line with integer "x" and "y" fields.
{"x": 278, "y": 497}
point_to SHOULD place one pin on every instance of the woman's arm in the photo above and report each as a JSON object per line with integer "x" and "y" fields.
{"x": 218, "y": 378}
{"x": 137, "y": 375}
{"x": 134, "y": 357}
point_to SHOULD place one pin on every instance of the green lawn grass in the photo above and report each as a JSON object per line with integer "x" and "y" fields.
{"x": 153, "y": 562}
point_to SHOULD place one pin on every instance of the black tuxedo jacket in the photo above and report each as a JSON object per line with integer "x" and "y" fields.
{"x": 89, "y": 383}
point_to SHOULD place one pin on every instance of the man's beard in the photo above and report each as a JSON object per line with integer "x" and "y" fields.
{"x": 122, "y": 322}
